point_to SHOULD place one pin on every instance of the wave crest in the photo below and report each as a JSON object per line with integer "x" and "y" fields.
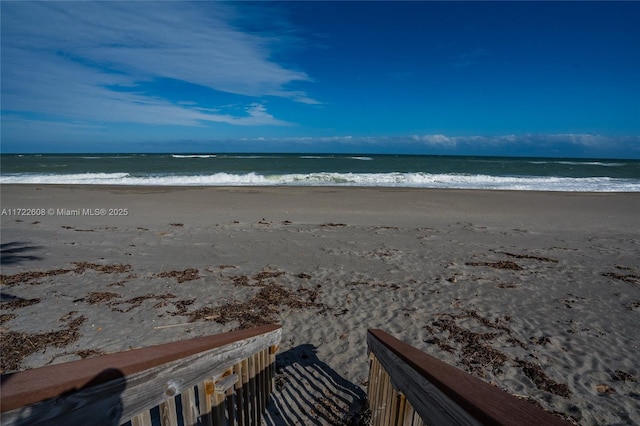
{"x": 413, "y": 180}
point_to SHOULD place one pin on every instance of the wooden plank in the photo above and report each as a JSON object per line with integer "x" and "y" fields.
{"x": 262, "y": 368}
{"x": 230, "y": 402}
{"x": 445, "y": 395}
{"x": 417, "y": 420}
{"x": 168, "y": 413}
{"x": 219, "y": 417}
{"x": 142, "y": 419}
{"x": 224, "y": 394}
{"x": 38, "y": 384}
{"x": 189, "y": 409}
{"x": 381, "y": 403}
{"x": 206, "y": 388}
{"x": 240, "y": 401}
{"x": 132, "y": 392}
{"x": 264, "y": 358}
{"x": 253, "y": 399}
{"x": 258, "y": 384}
{"x": 246, "y": 391}
{"x": 372, "y": 386}
{"x": 273, "y": 351}
{"x": 393, "y": 407}
{"x": 400, "y": 405}
{"x": 386, "y": 397}
{"x": 223, "y": 385}
{"x": 375, "y": 390}
{"x": 408, "y": 414}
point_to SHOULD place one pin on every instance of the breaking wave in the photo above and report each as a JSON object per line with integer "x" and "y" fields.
{"x": 413, "y": 180}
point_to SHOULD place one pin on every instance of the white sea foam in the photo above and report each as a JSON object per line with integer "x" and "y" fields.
{"x": 416, "y": 180}
{"x": 590, "y": 163}
{"x": 64, "y": 179}
{"x": 581, "y": 163}
{"x": 193, "y": 155}
{"x": 249, "y": 157}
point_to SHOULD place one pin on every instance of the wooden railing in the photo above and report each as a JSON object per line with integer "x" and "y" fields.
{"x": 410, "y": 387}
{"x": 224, "y": 379}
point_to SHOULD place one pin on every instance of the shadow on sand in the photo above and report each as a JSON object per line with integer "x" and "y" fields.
{"x": 309, "y": 392}
{"x": 13, "y": 253}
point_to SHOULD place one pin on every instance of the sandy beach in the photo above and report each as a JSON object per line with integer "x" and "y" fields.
{"x": 535, "y": 292}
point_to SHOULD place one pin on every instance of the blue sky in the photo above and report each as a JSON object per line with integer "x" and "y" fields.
{"x": 466, "y": 78}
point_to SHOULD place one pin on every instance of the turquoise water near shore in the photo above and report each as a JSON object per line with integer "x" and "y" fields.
{"x": 543, "y": 174}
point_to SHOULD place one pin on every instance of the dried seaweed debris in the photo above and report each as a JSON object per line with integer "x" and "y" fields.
{"x": 26, "y": 277}
{"x": 502, "y": 264}
{"x": 540, "y": 379}
{"x": 16, "y": 346}
{"x": 19, "y": 303}
{"x": 182, "y": 276}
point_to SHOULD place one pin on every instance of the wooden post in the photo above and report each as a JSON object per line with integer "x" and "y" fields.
{"x": 264, "y": 391}
{"x": 388, "y": 395}
{"x": 219, "y": 417}
{"x": 393, "y": 407}
{"x": 273, "y": 350}
{"x": 206, "y": 390}
{"x": 168, "y": 415}
{"x": 252, "y": 388}
{"x": 375, "y": 392}
{"x": 225, "y": 387}
{"x": 142, "y": 419}
{"x": 258, "y": 381}
{"x": 246, "y": 391}
{"x": 240, "y": 399}
{"x": 189, "y": 409}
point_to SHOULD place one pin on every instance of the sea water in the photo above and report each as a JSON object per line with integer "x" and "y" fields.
{"x": 498, "y": 173}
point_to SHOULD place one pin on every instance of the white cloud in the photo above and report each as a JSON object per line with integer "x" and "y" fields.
{"x": 436, "y": 140}
{"x": 542, "y": 139}
{"x": 554, "y": 143}
{"x": 521, "y": 141}
{"x": 583, "y": 139}
{"x": 257, "y": 114}
{"x": 75, "y": 60}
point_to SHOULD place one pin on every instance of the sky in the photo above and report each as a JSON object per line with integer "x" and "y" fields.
{"x": 557, "y": 79}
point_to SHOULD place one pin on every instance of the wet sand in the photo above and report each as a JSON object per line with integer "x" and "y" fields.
{"x": 538, "y": 293}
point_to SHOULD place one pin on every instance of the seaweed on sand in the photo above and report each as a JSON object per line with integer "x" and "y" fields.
{"x": 540, "y": 379}
{"x": 181, "y": 276}
{"x": 502, "y": 264}
{"x": 16, "y": 346}
{"x": 27, "y": 277}
{"x": 81, "y": 267}
{"x": 265, "y": 306}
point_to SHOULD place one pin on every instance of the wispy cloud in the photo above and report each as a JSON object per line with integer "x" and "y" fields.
{"x": 74, "y": 60}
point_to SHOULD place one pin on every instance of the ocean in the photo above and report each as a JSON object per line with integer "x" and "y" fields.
{"x": 497, "y": 173}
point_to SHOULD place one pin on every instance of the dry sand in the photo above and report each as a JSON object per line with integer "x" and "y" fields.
{"x": 538, "y": 293}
